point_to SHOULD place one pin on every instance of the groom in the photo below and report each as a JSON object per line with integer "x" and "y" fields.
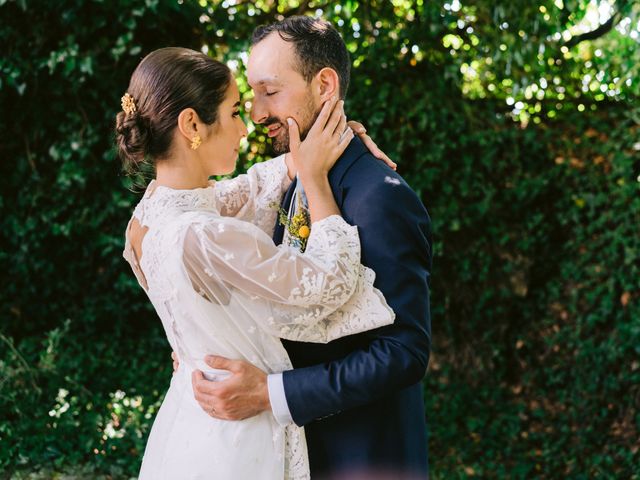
{"x": 360, "y": 398}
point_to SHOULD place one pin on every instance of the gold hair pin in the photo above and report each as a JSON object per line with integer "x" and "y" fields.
{"x": 128, "y": 104}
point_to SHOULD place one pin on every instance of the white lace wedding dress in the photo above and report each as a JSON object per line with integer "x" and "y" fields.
{"x": 220, "y": 286}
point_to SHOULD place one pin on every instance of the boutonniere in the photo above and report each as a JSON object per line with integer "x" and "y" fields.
{"x": 298, "y": 226}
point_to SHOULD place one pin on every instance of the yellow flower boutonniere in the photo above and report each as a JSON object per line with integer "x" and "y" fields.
{"x": 298, "y": 226}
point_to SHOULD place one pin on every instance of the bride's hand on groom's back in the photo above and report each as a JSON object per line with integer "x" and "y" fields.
{"x": 361, "y": 132}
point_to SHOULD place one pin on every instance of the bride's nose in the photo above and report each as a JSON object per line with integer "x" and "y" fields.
{"x": 243, "y": 130}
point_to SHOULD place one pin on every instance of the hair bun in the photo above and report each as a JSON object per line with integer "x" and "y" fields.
{"x": 166, "y": 82}
{"x": 133, "y": 137}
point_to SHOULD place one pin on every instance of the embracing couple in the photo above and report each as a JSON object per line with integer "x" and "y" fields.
{"x": 302, "y": 333}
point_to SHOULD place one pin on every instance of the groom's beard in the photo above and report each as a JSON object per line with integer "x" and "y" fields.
{"x": 280, "y": 142}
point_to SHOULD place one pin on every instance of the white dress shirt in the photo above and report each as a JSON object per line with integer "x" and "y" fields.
{"x": 278, "y": 399}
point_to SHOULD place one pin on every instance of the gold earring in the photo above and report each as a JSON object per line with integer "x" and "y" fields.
{"x": 196, "y": 142}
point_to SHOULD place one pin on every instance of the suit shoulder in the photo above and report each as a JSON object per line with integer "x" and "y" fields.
{"x": 371, "y": 180}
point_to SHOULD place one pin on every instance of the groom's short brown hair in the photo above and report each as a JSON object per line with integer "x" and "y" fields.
{"x": 317, "y": 45}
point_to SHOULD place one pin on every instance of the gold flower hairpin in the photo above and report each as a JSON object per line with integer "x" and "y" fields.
{"x": 128, "y": 104}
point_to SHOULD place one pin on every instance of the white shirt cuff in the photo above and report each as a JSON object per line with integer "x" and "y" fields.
{"x": 278, "y": 400}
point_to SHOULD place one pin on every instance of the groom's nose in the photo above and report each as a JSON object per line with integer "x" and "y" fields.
{"x": 258, "y": 112}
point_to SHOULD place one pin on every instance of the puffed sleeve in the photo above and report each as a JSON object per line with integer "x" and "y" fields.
{"x": 254, "y": 196}
{"x": 300, "y": 295}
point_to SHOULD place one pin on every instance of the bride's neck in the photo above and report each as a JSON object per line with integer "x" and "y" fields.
{"x": 181, "y": 173}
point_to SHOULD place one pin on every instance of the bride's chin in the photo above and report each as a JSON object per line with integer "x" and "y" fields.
{"x": 223, "y": 171}
{"x": 225, "y": 168}
{"x": 233, "y": 161}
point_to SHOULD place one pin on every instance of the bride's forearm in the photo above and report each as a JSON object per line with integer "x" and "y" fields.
{"x": 320, "y": 198}
{"x": 291, "y": 168}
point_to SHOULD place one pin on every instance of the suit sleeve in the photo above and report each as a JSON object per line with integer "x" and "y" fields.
{"x": 395, "y": 233}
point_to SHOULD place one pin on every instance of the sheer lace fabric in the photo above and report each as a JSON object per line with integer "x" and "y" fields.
{"x": 220, "y": 286}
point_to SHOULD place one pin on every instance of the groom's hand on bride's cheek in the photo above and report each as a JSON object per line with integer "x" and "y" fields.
{"x": 242, "y": 395}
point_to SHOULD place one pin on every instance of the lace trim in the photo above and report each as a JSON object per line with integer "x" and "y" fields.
{"x": 365, "y": 310}
{"x": 332, "y": 242}
{"x": 158, "y": 201}
{"x": 296, "y": 465}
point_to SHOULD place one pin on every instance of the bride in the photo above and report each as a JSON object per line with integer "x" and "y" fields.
{"x": 203, "y": 253}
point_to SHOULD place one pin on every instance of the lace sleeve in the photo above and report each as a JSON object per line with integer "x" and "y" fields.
{"x": 365, "y": 310}
{"x": 290, "y": 294}
{"x": 254, "y": 196}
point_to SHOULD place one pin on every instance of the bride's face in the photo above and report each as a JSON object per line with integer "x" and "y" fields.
{"x": 220, "y": 147}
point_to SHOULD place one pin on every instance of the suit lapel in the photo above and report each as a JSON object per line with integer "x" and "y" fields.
{"x": 354, "y": 151}
{"x": 278, "y": 231}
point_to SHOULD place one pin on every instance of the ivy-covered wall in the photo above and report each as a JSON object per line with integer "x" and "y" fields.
{"x": 534, "y": 199}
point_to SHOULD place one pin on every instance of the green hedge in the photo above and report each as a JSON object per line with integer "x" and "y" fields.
{"x": 536, "y": 318}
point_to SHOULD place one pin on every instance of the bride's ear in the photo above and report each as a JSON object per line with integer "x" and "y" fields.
{"x": 189, "y": 124}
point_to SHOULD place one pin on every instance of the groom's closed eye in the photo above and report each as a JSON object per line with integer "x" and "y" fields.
{"x": 269, "y": 94}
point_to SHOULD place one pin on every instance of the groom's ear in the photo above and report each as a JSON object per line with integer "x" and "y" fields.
{"x": 327, "y": 84}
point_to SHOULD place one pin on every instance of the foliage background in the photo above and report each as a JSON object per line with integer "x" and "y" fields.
{"x": 518, "y": 123}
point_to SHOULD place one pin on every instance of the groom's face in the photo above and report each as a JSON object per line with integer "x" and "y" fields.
{"x": 280, "y": 91}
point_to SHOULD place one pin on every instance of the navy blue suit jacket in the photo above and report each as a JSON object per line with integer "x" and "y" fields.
{"x": 360, "y": 398}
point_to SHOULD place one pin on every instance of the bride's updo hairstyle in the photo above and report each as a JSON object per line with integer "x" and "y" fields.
{"x": 164, "y": 83}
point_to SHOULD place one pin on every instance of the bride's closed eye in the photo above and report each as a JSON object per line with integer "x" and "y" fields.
{"x": 270, "y": 94}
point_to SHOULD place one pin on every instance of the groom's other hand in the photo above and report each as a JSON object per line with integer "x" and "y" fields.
{"x": 242, "y": 395}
